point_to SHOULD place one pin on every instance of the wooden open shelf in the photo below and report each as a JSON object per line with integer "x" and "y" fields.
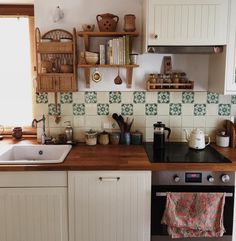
{"x": 107, "y": 34}
{"x": 170, "y": 86}
{"x": 129, "y": 71}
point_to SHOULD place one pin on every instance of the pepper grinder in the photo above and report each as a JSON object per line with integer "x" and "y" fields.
{"x": 69, "y": 132}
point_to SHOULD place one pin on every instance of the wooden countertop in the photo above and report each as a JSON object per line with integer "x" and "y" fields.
{"x": 118, "y": 157}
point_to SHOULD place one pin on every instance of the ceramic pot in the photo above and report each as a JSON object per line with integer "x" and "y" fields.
{"x": 129, "y": 23}
{"x": 91, "y": 137}
{"x": 17, "y": 133}
{"x": 107, "y": 22}
{"x": 114, "y": 138}
{"x": 103, "y": 138}
{"x": 125, "y": 138}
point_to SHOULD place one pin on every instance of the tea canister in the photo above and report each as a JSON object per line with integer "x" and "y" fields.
{"x": 222, "y": 139}
{"x": 103, "y": 138}
{"x": 115, "y": 138}
{"x": 91, "y": 137}
{"x": 136, "y": 138}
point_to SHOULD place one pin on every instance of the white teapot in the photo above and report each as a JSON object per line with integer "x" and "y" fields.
{"x": 196, "y": 139}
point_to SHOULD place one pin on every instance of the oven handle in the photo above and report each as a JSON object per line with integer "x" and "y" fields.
{"x": 163, "y": 194}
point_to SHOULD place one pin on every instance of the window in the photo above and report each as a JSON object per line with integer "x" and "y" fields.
{"x": 15, "y": 72}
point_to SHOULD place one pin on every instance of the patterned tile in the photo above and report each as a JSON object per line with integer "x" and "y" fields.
{"x": 175, "y": 109}
{"x": 42, "y": 98}
{"x": 114, "y": 97}
{"x": 199, "y": 109}
{"x": 78, "y": 109}
{"x": 224, "y": 109}
{"x": 233, "y": 99}
{"x": 90, "y": 97}
{"x": 66, "y": 97}
{"x": 151, "y": 109}
{"x": 139, "y": 97}
{"x": 103, "y": 109}
{"x": 187, "y": 97}
{"x": 163, "y": 97}
{"x": 126, "y": 109}
{"x": 52, "y": 109}
{"x": 212, "y": 98}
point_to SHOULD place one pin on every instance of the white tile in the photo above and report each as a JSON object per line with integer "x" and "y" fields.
{"x": 212, "y": 121}
{"x": 221, "y": 121}
{"x": 187, "y": 121}
{"x": 175, "y": 121}
{"x": 233, "y": 110}
{"x": 91, "y": 109}
{"x": 199, "y": 121}
{"x": 211, "y": 132}
{"x": 139, "y": 109}
{"x": 54, "y": 132}
{"x": 151, "y": 97}
{"x": 187, "y": 109}
{"x": 150, "y": 120}
{"x": 163, "y": 109}
{"x": 93, "y": 122}
{"x": 212, "y": 109}
{"x": 79, "y": 121}
{"x": 225, "y": 99}
{"x": 79, "y": 134}
{"x": 41, "y": 109}
{"x": 66, "y": 109}
{"x": 114, "y": 108}
{"x": 165, "y": 119}
{"x": 176, "y": 134}
{"x": 78, "y": 97}
{"x": 139, "y": 122}
{"x": 149, "y": 134}
{"x": 175, "y": 97}
{"x": 52, "y": 123}
{"x": 66, "y": 118}
{"x": 126, "y": 97}
{"x": 200, "y": 97}
{"x": 103, "y": 97}
{"x": 51, "y": 98}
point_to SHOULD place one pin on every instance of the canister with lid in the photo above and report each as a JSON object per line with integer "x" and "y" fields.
{"x": 222, "y": 139}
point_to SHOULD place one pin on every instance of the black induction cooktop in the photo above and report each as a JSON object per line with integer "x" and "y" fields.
{"x": 179, "y": 152}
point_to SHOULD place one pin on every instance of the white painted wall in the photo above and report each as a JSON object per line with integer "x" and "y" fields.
{"x": 78, "y": 12}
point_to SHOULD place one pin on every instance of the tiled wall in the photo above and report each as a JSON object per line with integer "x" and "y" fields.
{"x": 178, "y": 110}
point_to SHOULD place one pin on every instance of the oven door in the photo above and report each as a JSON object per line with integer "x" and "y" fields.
{"x": 159, "y": 231}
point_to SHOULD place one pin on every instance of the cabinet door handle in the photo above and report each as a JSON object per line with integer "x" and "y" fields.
{"x": 156, "y": 36}
{"x": 109, "y": 179}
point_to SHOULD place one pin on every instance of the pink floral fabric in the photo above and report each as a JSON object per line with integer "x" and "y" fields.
{"x": 194, "y": 214}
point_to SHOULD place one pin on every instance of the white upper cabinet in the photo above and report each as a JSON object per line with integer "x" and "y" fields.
{"x": 222, "y": 67}
{"x": 185, "y": 22}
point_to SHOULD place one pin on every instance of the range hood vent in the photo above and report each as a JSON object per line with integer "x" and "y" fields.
{"x": 185, "y": 49}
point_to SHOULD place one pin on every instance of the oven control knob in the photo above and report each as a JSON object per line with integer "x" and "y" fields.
{"x": 210, "y": 179}
{"x": 176, "y": 178}
{"x": 225, "y": 178}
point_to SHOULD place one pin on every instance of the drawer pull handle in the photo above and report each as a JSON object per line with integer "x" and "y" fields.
{"x": 156, "y": 36}
{"x": 163, "y": 194}
{"x": 109, "y": 179}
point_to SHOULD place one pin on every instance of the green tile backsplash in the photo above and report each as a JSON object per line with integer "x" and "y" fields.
{"x": 178, "y": 110}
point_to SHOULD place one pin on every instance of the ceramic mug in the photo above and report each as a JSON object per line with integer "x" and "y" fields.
{"x": 17, "y": 132}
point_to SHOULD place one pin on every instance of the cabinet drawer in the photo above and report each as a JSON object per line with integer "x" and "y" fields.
{"x": 33, "y": 179}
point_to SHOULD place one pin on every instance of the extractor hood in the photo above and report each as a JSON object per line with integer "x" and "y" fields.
{"x": 185, "y": 49}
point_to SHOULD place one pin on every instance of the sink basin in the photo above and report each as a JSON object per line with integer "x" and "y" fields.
{"x": 33, "y": 154}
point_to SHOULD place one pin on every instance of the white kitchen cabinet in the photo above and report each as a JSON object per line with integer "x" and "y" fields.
{"x": 222, "y": 67}
{"x": 109, "y": 205}
{"x": 185, "y": 22}
{"x": 33, "y": 206}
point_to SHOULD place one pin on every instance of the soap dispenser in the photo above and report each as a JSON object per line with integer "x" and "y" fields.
{"x": 69, "y": 132}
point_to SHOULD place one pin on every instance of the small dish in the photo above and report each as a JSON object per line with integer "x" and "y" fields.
{"x": 96, "y": 76}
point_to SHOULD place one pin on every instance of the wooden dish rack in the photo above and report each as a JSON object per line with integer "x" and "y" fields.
{"x": 170, "y": 86}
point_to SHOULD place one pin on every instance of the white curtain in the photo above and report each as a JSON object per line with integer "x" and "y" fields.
{"x": 15, "y": 72}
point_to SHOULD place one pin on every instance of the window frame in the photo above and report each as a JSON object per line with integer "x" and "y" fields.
{"x": 26, "y": 10}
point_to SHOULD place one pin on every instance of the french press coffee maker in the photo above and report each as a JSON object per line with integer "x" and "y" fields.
{"x": 159, "y": 135}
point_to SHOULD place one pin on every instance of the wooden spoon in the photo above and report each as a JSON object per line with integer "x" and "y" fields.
{"x": 118, "y": 80}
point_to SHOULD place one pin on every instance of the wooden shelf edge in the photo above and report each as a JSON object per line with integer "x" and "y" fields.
{"x": 106, "y": 34}
{"x": 108, "y": 66}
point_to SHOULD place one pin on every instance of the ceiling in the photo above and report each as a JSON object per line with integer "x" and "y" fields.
{"x": 16, "y": 1}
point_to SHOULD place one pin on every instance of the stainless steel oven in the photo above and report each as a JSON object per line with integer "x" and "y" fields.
{"x": 190, "y": 181}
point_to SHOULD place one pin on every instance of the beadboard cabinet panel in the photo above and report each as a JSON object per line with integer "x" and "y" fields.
{"x": 186, "y": 22}
{"x": 38, "y": 214}
{"x": 109, "y": 205}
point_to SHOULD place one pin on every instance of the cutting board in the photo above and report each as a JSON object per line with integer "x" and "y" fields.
{"x": 230, "y": 129}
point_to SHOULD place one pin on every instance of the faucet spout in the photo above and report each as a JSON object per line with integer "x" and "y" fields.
{"x": 34, "y": 124}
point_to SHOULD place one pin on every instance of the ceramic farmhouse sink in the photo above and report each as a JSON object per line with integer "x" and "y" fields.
{"x": 33, "y": 154}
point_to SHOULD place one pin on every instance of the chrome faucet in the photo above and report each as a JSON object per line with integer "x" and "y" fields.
{"x": 34, "y": 124}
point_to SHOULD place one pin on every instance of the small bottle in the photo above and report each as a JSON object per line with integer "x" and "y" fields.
{"x": 69, "y": 132}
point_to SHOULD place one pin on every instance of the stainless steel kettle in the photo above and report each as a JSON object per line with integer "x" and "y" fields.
{"x": 159, "y": 135}
{"x": 69, "y": 132}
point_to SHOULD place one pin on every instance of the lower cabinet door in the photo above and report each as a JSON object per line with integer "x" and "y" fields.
{"x": 33, "y": 214}
{"x": 109, "y": 205}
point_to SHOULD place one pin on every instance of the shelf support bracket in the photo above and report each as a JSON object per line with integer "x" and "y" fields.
{"x": 87, "y": 77}
{"x": 129, "y": 75}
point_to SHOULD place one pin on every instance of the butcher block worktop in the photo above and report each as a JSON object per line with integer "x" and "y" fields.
{"x": 118, "y": 157}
